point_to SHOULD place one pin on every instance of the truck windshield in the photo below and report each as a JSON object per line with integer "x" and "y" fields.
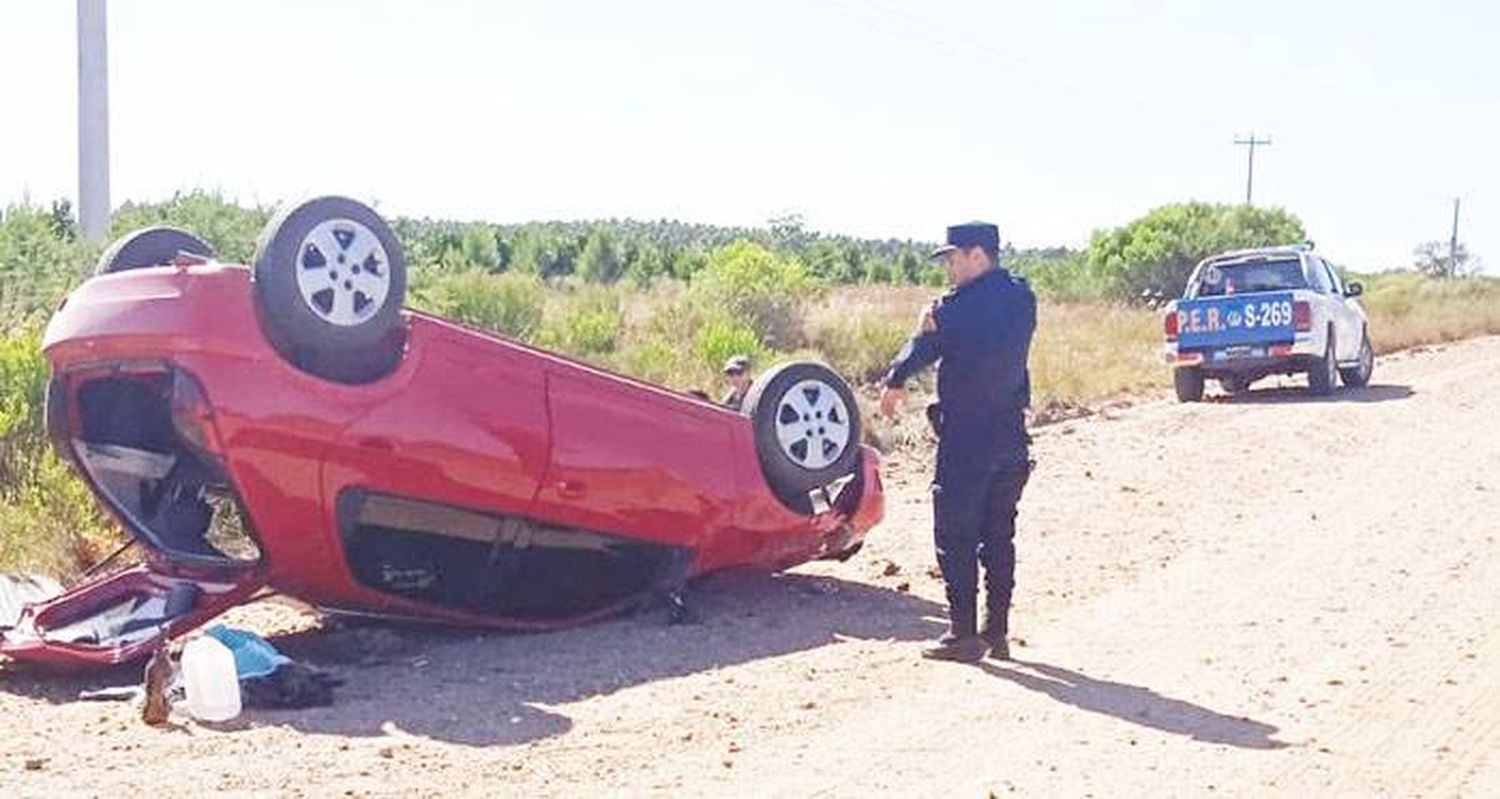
{"x": 1217, "y": 280}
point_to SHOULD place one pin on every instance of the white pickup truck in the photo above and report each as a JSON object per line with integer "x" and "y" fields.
{"x": 1279, "y": 310}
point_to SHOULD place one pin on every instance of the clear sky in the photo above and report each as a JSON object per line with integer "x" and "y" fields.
{"x": 868, "y": 117}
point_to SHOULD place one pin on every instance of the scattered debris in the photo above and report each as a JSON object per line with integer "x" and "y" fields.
{"x": 818, "y": 587}
{"x": 157, "y": 708}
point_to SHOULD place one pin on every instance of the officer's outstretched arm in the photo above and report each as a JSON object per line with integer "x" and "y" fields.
{"x": 919, "y": 353}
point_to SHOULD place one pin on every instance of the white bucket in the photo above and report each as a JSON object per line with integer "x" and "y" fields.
{"x": 208, "y": 676}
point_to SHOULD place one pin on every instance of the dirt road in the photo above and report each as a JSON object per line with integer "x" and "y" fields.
{"x": 1274, "y": 596}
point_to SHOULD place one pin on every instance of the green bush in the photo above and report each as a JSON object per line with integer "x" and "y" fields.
{"x": 23, "y": 381}
{"x": 600, "y": 261}
{"x": 764, "y": 290}
{"x": 645, "y": 265}
{"x": 230, "y": 228}
{"x": 1408, "y": 310}
{"x": 38, "y": 264}
{"x": 1062, "y": 276}
{"x": 721, "y": 338}
{"x": 48, "y": 518}
{"x": 656, "y": 361}
{"x": 507, "y": 304}
{"x": 587, "y": 326}
{"x": 1153, "y": 256}
{"x": 860, "y": 348}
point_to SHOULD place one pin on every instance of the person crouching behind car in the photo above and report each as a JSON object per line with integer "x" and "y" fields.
{"x": 737, "y": 372}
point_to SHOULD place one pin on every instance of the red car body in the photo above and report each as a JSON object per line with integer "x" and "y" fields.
{"x": 468, "y": 427}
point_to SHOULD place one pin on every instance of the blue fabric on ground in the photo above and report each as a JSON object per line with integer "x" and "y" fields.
{"x": 253, "y": 655}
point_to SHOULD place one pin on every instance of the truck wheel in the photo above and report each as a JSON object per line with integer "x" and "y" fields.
{"x": 330, "y": 280}
{"x": 150, "y": 246}
{"x": 1189, "y": 384}
{"x": 1359, "y": 376}
{"x": 807, "y": 430}
{"x": 1323, "y": 377}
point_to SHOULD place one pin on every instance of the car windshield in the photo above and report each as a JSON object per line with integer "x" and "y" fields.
{"x": 1217, "y": 280}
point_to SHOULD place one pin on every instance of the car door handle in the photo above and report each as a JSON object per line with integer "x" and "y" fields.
{"x": 377, "y": 443}
{"x": 571, "y": 489}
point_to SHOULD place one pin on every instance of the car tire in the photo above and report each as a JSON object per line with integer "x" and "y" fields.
{"x": 330, "y": 282}
{"x": 807, "y": 430}
{"x": 150, "y": 246}
{"x": 1359, "y": 376}
{"x": 1189, "y": 384}
{"x": 1322, "y": 379}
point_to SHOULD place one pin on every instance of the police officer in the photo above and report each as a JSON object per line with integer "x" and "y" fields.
{"x": 981, "y": 331}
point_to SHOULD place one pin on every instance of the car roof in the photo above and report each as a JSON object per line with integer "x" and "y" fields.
{"x": 1257, "y": 253}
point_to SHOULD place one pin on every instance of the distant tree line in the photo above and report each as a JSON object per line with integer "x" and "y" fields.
{"x": 1148, "y": 258}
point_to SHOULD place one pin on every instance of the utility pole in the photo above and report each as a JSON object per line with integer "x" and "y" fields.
{"x": 93, "y": 121}
{"x": 1453, "y": 242}
{"x": 1252, "y": 143}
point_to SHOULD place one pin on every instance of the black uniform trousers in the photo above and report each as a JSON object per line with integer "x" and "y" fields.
{"x": 974, "y": 509}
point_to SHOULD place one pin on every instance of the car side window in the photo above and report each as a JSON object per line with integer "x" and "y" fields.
{"x": 1333, "y": 278}
{"x": 1317, "y": 274}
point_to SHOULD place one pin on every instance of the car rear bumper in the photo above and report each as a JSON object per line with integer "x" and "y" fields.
{"x": 1255, "y": 368}
{"x": 1263, "y": 357}
{"x": 849, "y": 534}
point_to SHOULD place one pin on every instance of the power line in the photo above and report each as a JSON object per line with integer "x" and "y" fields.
{"x": 893, "y": 22}
{"x": 1252, "y": 143}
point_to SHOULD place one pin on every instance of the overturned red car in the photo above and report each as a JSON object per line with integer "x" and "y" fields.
{"x": 290, "y": 426}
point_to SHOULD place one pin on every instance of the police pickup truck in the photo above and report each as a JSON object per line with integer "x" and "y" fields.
{"x": 1248, "y": 314}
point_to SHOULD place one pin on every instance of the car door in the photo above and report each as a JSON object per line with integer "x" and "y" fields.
{"x": 1349, "y": 320}
{"x": 1327, "y": 296}
{"x": 635, "y": 460}
{"x": 468, "y": 431}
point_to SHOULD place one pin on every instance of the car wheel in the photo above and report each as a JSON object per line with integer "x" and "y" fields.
{"x": 1189, "y": 384}
{"x": 330, "y": 280}
{"x": 1359, "y": 376}
{"x": 807, "y": 430}
{"x": 150, "y": 246}
{"x": 1323, "y": 377}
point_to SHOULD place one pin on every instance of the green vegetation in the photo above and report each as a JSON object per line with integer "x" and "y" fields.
{"x": 668, "y": 302}
{"x": 1409, "y": 310}
{"x": 48, "y": 520}
{"x": 1152, "y": 256}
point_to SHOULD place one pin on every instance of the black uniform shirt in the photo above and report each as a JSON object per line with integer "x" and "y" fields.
{"x": 983, "y": 339}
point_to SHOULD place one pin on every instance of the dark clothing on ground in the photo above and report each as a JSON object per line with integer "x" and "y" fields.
{"x": 983, "y": 339}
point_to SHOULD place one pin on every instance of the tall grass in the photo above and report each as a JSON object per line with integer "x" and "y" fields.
{"x": 48, "y": 519}
{"x": 1409, "y": 310}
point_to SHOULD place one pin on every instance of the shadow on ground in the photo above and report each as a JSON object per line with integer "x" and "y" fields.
{"x": 485, "y": 689}
{"x": 1137, "y": 705}
{"x": 1292, "y": 394}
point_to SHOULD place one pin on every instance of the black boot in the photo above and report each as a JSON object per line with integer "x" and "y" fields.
{"x": 957, "y": 648}
{"x": 994, "y": 632}
{"x": 960, "y": 643}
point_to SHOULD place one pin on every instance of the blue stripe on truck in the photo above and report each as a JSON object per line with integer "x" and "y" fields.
{"x": 1238, "y": 319}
